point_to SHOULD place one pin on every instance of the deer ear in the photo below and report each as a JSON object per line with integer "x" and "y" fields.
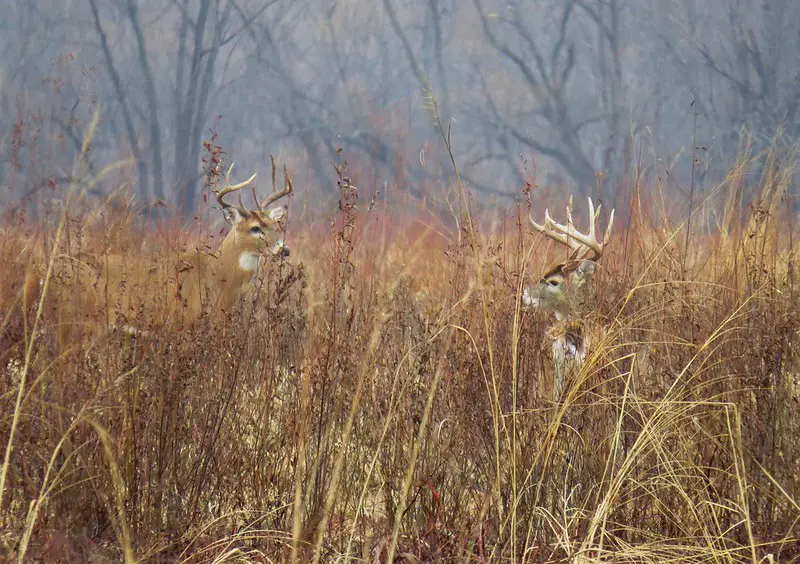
{"x": 278, "y": 214}
{"x": 531, "y": 298}
{"x": 233, "y": 215}
{"x": 584, "y": 272}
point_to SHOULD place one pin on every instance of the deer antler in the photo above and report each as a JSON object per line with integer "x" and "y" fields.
{"x": 581, "y": 244}
{"x": 220, "y": 194}
{"x": 276, "y": 195}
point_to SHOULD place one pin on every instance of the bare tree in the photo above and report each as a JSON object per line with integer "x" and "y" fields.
{"x": 573, "y": 82}
{"x": 606, "y": 15}
{"x": 546, "y": 71}
{"x": 741, "y": 65}
{"x": 204, "y": 28}
{"x": 201, "y": 38}
{"x": 119, "y": 89}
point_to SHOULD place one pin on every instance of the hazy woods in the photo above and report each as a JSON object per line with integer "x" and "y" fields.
{"x": 584, "y": 90}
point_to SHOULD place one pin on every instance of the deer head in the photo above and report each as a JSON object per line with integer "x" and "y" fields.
{"x": 562, "y": 289}
{"x": 254, "y": 231}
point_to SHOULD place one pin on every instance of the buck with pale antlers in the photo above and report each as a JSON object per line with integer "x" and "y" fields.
{"x": 563, "y": 290}
{"x": 115, "y": 290}
{"x": 253, "y": 233}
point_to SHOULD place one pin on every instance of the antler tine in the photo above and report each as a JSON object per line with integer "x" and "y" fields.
{"x": 227, "y": 183}
{"x": 274, "y": 188}
{"x": 287, "y": 180}
{"x": 559, "y": 233}
{"x": 255, "y": 197}
{"x": 278, "y": 195}
{"x": 570, "y": 223}
{"x": 593, "y": 219}
{"x": 286, "y": 190}
{"x": 610, "y": 225}
{"x": 542, "y": 228}
{"x": 274, "y": 178}
{"x": 220, "y": 194}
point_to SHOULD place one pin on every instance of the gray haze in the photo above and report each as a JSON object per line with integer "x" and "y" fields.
{"x": 581, "y": 89}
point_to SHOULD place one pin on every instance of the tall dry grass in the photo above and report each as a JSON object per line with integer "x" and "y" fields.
{"x": 382, "y": 394}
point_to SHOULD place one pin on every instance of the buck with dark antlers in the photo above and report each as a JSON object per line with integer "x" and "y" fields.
{"x": 115, "y": 290}
{"x": 564, "y": 289}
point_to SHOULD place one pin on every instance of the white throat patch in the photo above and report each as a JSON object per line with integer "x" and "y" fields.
{"x": 248, "y": 262}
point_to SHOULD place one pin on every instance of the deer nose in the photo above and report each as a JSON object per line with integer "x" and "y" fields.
{"x": 280, "y": 249}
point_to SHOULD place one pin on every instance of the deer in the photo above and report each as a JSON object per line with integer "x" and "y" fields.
{"x": 564, "y": 290}
{"x": 113, "y": 290}
{"x": 253, "y": 233}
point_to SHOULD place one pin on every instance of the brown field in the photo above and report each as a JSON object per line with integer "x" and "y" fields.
{"x": 381, "y": 393}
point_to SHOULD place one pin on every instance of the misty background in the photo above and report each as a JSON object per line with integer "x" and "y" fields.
{"x": 574, "y": 94}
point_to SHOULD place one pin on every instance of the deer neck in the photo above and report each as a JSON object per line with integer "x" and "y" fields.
{"x": 237, "y": 264}
{"x": 248, "y": 262}
{"x": 236, "y": 255}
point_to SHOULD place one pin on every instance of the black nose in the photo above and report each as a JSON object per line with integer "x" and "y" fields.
{"x": 285, "y": 252}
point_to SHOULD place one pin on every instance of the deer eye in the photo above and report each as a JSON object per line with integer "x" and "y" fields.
{"x": 553, "y": 282}
{"x": 256, "y": 230}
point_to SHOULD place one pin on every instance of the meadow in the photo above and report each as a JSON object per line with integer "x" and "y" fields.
{"x": 382, "y": 394}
